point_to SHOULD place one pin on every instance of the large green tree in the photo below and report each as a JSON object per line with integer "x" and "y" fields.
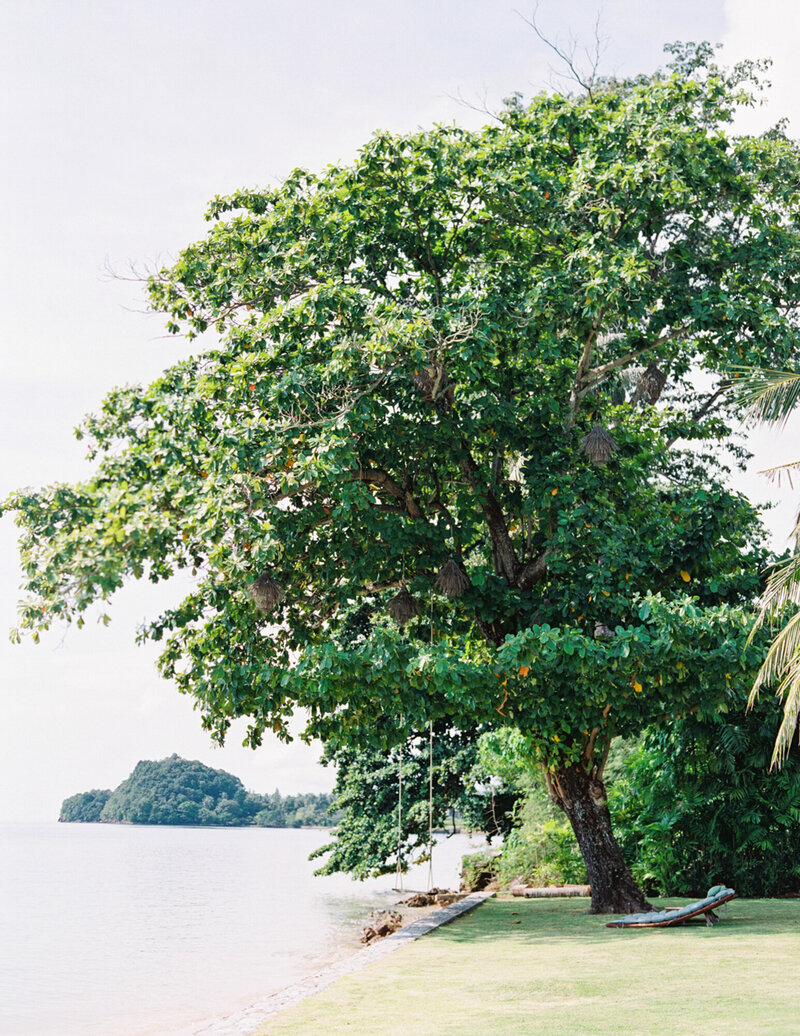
{"x": 454, "y": 453}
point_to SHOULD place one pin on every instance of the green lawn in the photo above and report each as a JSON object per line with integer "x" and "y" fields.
{"x": 545, "y": 966}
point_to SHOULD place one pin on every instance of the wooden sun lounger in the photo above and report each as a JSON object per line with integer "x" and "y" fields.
{"x": 679, "y": 915}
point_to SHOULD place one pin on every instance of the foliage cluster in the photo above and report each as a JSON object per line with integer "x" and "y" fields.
{"x": 308, "y": 810}
{"x": 85, "y": 807}
{"x": 539, "y": 846}
{"x": 696, "y": 805}
{"x": 541, "y": 853}
{"x": 179, "y": 791}
{"x": 386, "y": 798}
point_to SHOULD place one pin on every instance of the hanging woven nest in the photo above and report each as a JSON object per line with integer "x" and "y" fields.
{"x": 599, "y": 446}
{"x": 452, "y": 580}
{"x": 403, "y": 607}
{"x": 265, "y": 593}
{"x": 651, "y": 384}
{"x": 434, "y": 383}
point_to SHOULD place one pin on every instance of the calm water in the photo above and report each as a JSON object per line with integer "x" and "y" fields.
{"x": 110, "y": 929}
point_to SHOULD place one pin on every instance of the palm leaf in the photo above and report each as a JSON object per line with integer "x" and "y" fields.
{"x": 782, "y": 471}
{"x": 766, "y": 395}
{"x": 789, "y": 690}
{"x": 771, "y": 396}
{"x": 782, "y": 591}
{"x": 784, "y": 652}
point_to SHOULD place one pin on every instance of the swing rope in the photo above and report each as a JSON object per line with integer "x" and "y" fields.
{"x": 399, "y": 867}
{"x": 430, "y": 806}
{"x": 430, "y": 777}
{"x": 398, "y": 874}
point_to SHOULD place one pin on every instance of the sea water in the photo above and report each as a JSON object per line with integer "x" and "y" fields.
{"x": 115, "y": 929}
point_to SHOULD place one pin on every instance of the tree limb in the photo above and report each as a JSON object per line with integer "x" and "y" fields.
{"x": 504, "y": 555}
{"x": 534, "y": 572}
{"x": 576, "y": 393}
{"x": 379, "y": 477}
{"x": 594, "y": 377}
{"x": 702, "y": 411}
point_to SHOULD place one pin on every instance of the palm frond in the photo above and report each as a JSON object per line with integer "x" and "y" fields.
{"x": 783, "y": 653}
{"x": 782, "y": 471}
{"x": 782, "y": 590}
{"x": 767, "y": 395}
{"x": 789, "y": 690}
{"x": 771, "y": 396}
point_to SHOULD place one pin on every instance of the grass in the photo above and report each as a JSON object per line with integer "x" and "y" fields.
{"x": 544, "y": 966}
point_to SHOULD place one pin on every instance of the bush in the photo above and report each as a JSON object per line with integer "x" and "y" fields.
{"x": 540, "y": 849}
{"x": 479, "y": 870}
{"x": 697, "y": 806}
{"x": 545, "y": 855}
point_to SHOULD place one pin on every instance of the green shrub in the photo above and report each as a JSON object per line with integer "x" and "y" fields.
{"x": 697, "y": 806}
{"x": 541, "y": 849}
{"x": 478, "y": 870}
{"x": 543, "y": 855}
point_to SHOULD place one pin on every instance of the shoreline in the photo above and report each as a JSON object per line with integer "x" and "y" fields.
{"x": 197, "y": 827}
{"x": 155, "y": 919}
{"x": 247, "y": 1021}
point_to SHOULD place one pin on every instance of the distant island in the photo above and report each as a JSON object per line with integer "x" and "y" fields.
{"x": 179, "y": 791}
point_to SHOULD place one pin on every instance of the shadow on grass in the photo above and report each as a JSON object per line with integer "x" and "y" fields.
{"x": 548, "y": 966}
{"x": 532, "y": 921}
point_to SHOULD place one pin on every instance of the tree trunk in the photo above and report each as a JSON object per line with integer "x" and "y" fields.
{"x": 582, "y": 796}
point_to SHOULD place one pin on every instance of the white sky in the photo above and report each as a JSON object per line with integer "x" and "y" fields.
{"x": 119, "y": 123}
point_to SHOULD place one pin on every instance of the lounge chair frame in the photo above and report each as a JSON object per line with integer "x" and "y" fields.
{"x": 677, "y": 915}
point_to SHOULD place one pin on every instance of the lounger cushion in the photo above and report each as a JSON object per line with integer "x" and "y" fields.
{"x": 717, "y": 895}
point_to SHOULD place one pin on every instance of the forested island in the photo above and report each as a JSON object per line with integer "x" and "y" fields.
{"x": 180, "y": 791}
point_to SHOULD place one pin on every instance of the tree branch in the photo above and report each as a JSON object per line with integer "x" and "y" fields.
{"x": 594, "y": 377}
{"x": 568, "y": 56}
{"x": 504, "y": 555}
{"x": 598, "y": 776}
{"x": 534, "y": 572}
{"x": 702, "y": 411}
{"x": 583, "y": 366}
{"x": 381, "y": 478}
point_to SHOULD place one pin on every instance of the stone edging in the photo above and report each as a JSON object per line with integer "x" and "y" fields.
{"x": 246, "y": 1021}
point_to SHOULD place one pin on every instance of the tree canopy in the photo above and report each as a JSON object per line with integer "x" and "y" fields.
{"x": 455, "y": 455}
{"x": 85, "y": 807}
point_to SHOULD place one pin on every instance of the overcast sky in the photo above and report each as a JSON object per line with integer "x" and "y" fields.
{"x": 119, "y": 123}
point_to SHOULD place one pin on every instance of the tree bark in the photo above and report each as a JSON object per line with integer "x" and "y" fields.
{"x": 582, "y": 796}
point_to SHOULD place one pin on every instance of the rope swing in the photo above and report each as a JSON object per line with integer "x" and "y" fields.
{"x": 430, "y": 774}
{"x": 398, "y": 874}
{"x": 430, "y": 806}
{"x": 399, "y": 866}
